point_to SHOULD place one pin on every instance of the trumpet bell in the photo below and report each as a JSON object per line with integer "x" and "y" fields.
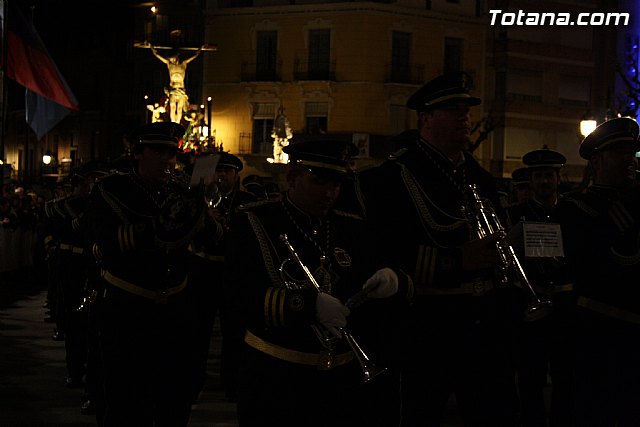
{"x": 370, "y": 371}
{"x": 212, "y": 195}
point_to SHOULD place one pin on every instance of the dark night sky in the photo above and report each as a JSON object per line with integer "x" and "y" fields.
{"x": 88, "y": 40}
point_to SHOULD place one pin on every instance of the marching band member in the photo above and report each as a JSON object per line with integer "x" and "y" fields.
{"x": 458, "y": 338}
{"x": 544, "y": 346}
{"x": 141, "y": 223}
{"x": 291, "y": 375}
{"x": 601, "y": 229}
{"x": 207, "y": 283}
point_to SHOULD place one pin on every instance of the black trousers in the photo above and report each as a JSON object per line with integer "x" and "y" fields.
{"x": 146, "y": 353}
{"x": 459, "y": 345}
{"x": 546, "y": 348}
{"x": 278, "y": 393}
{"x": 607, "y": 372}
{"x": 72, "y": 278}
{"x": 205, "y": 295}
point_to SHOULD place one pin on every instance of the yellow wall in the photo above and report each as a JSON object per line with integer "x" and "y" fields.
{"x": 361, "y": 33}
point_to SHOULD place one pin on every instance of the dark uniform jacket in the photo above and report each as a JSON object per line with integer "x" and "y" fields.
{"x": 65, "y": 216}
{"x": 141, "y": 234}
{"x": 74, "y": 207}
{"x": 601, "y": 232}
{"x": 338, "y": 251}
{"x": 67, "y": 219}
{"x": 55, "y": 213}
{"x": 64, "y": 241}
{"x": 418, "y": 197}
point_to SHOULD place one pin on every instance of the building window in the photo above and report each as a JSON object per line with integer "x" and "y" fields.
{"x": 524, "y": 86}
{"x": 316, "y": 117}
{"x": 266, "y": 55}
{"x": 400, "y": 57}
{"x": 316, "y": 125}
{"x": 574, "y": 91}
{"x": 262, "y": 142}
{"x": 319, "y": 61}
{"x": 453, "y": 54}
{"x": 520, "y": 140}
{"x": 263, "y": 117}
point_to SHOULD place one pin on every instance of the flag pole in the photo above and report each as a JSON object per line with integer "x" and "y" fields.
{"x": 27, "y": 157}
{"x": 3, "y": 111}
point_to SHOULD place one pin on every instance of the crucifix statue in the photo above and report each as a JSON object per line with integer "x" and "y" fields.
{"x": 178, "y": 99}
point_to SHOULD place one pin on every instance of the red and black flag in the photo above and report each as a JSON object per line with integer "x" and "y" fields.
{"x": 48, "y": 97}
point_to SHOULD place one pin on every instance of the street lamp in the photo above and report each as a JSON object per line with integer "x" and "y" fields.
{"x": 587, "y": 124}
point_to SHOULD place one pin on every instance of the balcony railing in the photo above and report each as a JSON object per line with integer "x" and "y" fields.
{"x": 252, "y": 72}
{"x": 303, "y": 69}
{"x": 244, "y": 143}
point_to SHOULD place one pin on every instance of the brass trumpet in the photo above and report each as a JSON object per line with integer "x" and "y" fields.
{"x": 213, "y": 194}
{"x": 485, "y": 222}
{"x": 369, "y": 369}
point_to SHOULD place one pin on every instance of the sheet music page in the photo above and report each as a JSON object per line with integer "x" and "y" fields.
{"x": 204, "y": 169}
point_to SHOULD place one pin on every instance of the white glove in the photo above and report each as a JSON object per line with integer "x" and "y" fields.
{"x": 383, "y": 284}
{"x": 331, "y": 313}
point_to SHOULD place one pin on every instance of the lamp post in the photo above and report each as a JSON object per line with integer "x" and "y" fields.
{"x": 146, "y": 109}
{"x": 210, "y": 141}
{"x": 209, "y": 102}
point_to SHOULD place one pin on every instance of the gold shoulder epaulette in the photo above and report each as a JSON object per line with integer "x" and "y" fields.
{"x": 251, "y": 205}
{"x": 398, "y": 153}
{"x": 348, "y": 214}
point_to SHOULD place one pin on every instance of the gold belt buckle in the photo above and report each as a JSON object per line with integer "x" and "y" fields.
{"x": 326, "y": 360}
{"x": 478, "y": 288}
